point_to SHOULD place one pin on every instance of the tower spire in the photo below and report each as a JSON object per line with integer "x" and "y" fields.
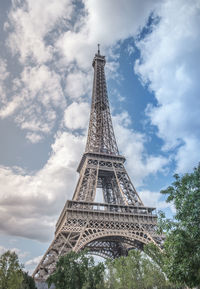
{"x": 101, "y": 136}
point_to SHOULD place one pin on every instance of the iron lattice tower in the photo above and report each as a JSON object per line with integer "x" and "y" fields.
{"x": 121, "y": 222}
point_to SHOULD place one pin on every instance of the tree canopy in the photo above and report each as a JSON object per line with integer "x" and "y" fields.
{"x": 12, "y": 275}
{"x": 77, "y": 271}
{"x": 182, "y": 243}
{"x": 136, "y": 271}
{"x": 28, "y": 282}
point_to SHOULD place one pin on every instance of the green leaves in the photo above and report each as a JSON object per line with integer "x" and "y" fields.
{"x": 182, "y": 244}
{"x": 77, "y": 271}
{"x": 11, "y": 275}
{"x": 136, "y": 271}
{"x": 182, "y": 262}
{"x": 28, "y": 282}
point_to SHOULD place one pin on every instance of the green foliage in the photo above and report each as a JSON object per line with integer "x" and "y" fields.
{"x": 11, "y": 275}
{"x": 182, "y": 244}
{"x": 155, "y": 254}
{"x": 28, "y": 282}
{"x": 77, "y": 271}
{"x": 136, "y": 271}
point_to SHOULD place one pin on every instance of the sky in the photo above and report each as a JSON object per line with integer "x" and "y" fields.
{"x": 152, "y": 48}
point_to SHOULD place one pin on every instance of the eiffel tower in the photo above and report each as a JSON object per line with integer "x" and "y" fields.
{"x": 121, "y": 222}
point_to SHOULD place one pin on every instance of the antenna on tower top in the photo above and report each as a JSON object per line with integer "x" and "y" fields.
{"x": 98, "y": 48}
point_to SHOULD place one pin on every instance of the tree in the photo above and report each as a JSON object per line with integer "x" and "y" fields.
{"x": 182, "y": 244}
{"x": 77, "y": 271}
{"x": 28, "y": 282}
{"x": 11, "y": 275}
{"x": 136, "y": 271}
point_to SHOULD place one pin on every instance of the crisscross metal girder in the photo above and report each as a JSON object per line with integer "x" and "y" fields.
{"x": 107, "y": 172}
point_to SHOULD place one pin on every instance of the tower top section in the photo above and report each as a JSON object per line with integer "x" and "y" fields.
{"x": 99, "y": 58}
{"x": 101, "y": 138}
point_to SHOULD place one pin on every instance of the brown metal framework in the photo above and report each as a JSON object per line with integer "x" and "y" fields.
{"x": 121, "y": 222}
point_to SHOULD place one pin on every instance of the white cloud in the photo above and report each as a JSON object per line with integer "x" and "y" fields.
{"x": 16, "y": 250}
{"x": 30, "y": 204}
{"x": 170, "y": 63}
{"x": 3, "y": 70}
{"x": 33, "y": 97}
{"x": 132, "y": 145}
{"x": 38, "y": 94}
{"x": 121, "y": 19}
{"x": 188, "y": 155}
{"x": 34, "y": 137}
{"x": 31, "y": 22}
{"x": 153, "y": 199}
{"x": 43, "y": 85}
{"x": 106, "y": 22}
{"x": 9, "y": 107}
{"x": 35, "y": 261}
{"x": 32, "y": 263}
{"x": 130, "y": 49}
{"x": 77, "y": 115}
{"x": 78, "y": 84}
{"x": 3, "y": 75}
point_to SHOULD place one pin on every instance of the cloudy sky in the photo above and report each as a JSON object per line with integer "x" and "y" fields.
{"x": 152, "y": 49}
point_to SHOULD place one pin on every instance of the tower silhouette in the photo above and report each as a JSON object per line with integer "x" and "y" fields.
{"x": 118, "y": 224}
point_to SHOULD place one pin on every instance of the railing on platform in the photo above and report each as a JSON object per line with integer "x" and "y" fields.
{"x": 104, "y": 207}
